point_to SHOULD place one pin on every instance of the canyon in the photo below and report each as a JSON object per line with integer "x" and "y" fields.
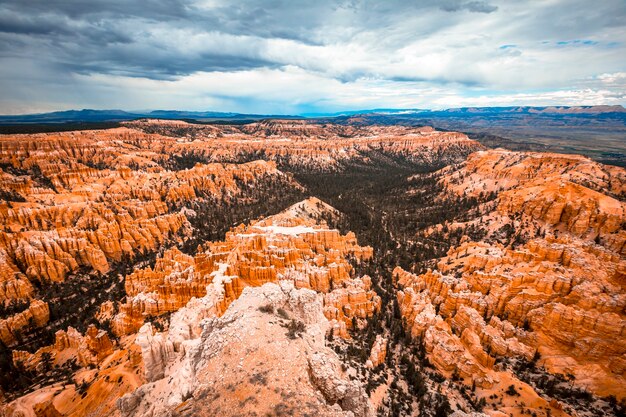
{"x": 291, "y": 267}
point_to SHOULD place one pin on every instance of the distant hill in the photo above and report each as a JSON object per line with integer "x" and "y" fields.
{"x": 536, "y": 110}
{"x": 90, "y": 116}
{"x": 473, "y": 111}
{"x": 595, "y": 131}
{"x": 85, "y": 115}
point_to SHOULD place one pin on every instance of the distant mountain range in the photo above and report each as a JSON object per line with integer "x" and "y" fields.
{"x": 537, "y": 110}
{"x": 480, "y": 110}
{"x": 88, "y": 115}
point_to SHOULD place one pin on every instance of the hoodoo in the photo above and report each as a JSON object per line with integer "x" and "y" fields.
{"x": 166, "y": 268}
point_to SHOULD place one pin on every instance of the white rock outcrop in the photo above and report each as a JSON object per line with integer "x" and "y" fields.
{"x": 266, "y": 354}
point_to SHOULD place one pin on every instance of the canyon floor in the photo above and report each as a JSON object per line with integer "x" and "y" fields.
{"x": 309, "y": 268}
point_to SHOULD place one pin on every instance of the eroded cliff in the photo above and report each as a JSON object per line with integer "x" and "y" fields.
{"x": 552, "y": 296}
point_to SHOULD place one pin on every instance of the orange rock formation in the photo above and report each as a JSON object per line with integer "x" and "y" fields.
{"x": 312, "y": 146}
{"x": 293, "y": 248}
{"x": 36, "y": 315}
{"x": 83, "y": 200}
{"x": 561, "y": 296}
{"x": 287, "y": 246}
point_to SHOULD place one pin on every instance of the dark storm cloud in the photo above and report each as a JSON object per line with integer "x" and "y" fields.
{"x": 58, "y": 28}
{"x": 114, "y": 38}
{"x": 159, "y": 10}
{"x": 472, "y": 6}
{"x": 466, "y": 44}
{"x": 160, "y": 66}
{"x": 119, "y": 37}
{"x": 20, "y": 24}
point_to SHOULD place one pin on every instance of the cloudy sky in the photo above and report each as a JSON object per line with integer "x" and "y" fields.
{"x": 316, "y": 56}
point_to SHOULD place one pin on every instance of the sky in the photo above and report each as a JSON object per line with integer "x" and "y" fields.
{"x": 295, "y": 57}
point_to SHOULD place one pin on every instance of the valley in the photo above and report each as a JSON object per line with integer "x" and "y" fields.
{"x": 291, "y": 267}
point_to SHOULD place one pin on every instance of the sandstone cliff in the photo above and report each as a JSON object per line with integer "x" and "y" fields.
{"x": 560, "y": 294}
{"x": 238, "y": 325}
{"x": 316, "y": 286}
{"x": 78, "y": 203}
{"x": 310, "y": 146}
{"x": 288, "y": 246}
{"x": 36, "y": 315}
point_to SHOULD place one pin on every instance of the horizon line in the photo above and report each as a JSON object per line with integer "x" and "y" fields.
{"x": 311, "y": 114}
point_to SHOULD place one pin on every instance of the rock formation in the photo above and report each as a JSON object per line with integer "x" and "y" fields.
{"x": 378, "y": 352}
{"x": 80, "y": 203}
{"x": 312, "y": 146}
{"x": 500, "y": 170}
{"x": 289, "y": 266}
{"x": 288, "y": 246}
{"x": 89, "y": 349}
{"x": 250, "y": 360}
{"x": 562, "y": 297}
{"x": 179, "y": 319}
{"x": 36, "y": 315}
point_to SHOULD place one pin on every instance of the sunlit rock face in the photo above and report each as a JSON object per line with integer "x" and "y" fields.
{"x": 499, "y": 170}
{"x": 310, "y": 146}
{"x": 560, "y": 294}
{"x": 309, "y": 261}
{"x": 243, "y": 322}
{"x": 284, "y": 283}
{"x": 101, "y": 371}
{"x": 378, "y": 354}
{"x": 289, "y": 246}
{"x": 80, "y": 202}
{"x": 249, "y": 351}
{"x": 37, "y": 314}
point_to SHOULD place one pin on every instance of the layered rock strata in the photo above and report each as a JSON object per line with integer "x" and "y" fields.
{"x": 560, "y": 294}
{"x": 78, "y": 202}
{"x": 288, "y": 246}
{"x": 311, "y": 146}
{"x": 270, "y": 292}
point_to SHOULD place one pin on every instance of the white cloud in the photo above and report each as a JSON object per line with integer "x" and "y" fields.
{"x": 251, "y": 56}
{"x": 614, "y": 79}
{"x": 586, "y": 97}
